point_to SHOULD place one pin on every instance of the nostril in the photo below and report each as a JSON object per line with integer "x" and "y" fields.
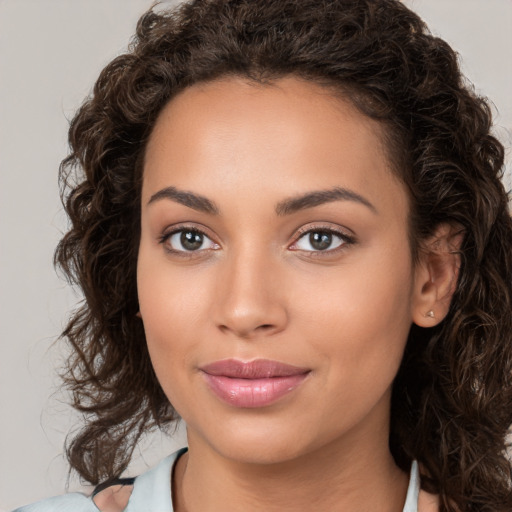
{"x": 265, "y": 327}
{"x": 248, "y": 333}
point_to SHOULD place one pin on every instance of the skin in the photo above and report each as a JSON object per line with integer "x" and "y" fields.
{"x": 257, "y": 288}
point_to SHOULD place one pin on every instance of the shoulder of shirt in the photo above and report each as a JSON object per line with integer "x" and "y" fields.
{"x": 75, "y": 502}
{"x": 78, "y": 502}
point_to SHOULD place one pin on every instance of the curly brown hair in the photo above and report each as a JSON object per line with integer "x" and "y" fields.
{"x": 452, "y": 397}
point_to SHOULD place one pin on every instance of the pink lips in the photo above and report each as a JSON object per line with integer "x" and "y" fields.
{"x": 252, "y": 384}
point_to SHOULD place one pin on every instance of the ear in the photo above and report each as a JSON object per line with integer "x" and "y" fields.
{"x": 436, "y": 274}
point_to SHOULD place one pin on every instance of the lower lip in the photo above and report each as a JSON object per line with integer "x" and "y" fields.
{"x": 252, "y": 393}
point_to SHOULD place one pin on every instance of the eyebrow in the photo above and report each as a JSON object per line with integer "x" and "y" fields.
{"x": 287, "y": 207}
{"x": 319, "y": 197}
{"x": 194, "y": 201}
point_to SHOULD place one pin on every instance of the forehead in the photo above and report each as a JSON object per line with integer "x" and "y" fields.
{"x": 233, "y": 135}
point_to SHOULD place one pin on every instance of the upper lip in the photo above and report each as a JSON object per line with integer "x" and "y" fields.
{"x": 256, "y": 369}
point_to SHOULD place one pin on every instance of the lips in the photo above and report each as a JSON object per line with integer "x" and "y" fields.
{"x": 252, "y": 384}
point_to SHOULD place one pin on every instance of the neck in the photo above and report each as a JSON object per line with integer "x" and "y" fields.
{"x": 343, "y": 475}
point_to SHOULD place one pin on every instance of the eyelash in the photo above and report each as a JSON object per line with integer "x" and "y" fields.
{"x": 180, "y": 229}
{"x": 346, "y": 240}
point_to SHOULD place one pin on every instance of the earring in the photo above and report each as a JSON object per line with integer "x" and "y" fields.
{"x": 430, "y": 314}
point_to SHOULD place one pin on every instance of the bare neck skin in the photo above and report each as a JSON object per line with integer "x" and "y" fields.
{"x": 355, "y": 473}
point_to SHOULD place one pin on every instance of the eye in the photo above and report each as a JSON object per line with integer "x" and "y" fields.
{"x": 187, "y": 240}
{"x": 321, "y": 240}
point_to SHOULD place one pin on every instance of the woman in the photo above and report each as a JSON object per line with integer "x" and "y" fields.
{"x": 288, "y": 223}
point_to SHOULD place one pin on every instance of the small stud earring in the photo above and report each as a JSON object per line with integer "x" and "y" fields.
{"x": 430, "y": 314}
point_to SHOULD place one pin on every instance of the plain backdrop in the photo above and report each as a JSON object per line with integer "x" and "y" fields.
{"x": 51, "y": 51}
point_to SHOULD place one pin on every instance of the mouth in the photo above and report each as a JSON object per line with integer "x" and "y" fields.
{"x": 252, "y": 384}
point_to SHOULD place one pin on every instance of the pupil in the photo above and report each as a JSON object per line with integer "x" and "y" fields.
{"x": 191, "y": 240}
{"x": 320, "y": 240}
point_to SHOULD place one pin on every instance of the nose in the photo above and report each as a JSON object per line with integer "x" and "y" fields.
{"x": 250, "y": 301}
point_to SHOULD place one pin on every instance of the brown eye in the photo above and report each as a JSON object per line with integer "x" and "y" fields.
{"x": 320, "y": 240}
{"x": 191, "y": 240}
{"x": 188, "y": 240}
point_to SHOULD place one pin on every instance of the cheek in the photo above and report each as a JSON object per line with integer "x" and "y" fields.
{"x": 371, "y": 288}
{"x": 359, "y": 320}
{"x": 169, "y": 313}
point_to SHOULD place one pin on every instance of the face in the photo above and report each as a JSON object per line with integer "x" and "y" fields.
{"x": 274, "y": 276}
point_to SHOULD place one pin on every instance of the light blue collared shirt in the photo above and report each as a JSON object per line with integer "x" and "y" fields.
{"x": 152, "y": 493}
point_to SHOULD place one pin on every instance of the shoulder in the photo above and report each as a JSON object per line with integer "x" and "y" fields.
{"x": 114, "y": 498}
{"x": 75, "y": 501}
{"x": 149, "y": 491}
{"x": 111, "y": 499}
{"x": 428, "y": 502}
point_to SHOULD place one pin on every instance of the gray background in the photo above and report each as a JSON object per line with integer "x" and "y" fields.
{"x": 51, "y": 51}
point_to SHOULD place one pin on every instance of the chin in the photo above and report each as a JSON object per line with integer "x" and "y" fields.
{"x": 262, "y": 451}
{"x": 256, "y": 439}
